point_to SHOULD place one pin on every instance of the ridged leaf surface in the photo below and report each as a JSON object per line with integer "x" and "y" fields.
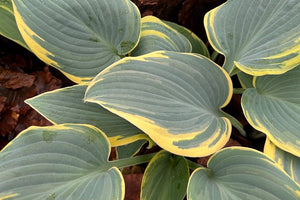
{"x": 258, "y": 36}
{"x": 239, "y": 173}
{"x": 78, "y": 37}
{"x": 173, "y": 97}
{"x": 166, "y": 177}
{"x": 67, "y": 106}
{"x": 273, "y": 107}
{"x": 157, "y": 35}
{"x": 62, "y": 162}
{"x": 288, "y": 162}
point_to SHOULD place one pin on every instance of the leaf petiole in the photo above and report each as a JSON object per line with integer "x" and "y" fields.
{"x": 126, "y": 162}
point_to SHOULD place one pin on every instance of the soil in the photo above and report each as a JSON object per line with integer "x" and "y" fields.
{"x": 23, "y": 75}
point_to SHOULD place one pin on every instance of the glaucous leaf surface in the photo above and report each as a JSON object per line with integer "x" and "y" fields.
{"x": 157, "y": 35}
{"x": 62, "y": 162}
{"x": 288, "y": 162}
{"x": 166, "y": 177}
{"x": 8, "y": 26}
{"x": 273, "y": 107}
{"x": 79, "y": 37}
{"x": 198, "y": 45}
{"x": 173, "y": 97}
{"x": 239, "y": 173}
{"x": 258, "y": 36}
{"x": 67, "y": 106}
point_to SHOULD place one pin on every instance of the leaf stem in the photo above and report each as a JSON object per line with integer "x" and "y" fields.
{"x": 236, "y": 124}
{"x": 126, "y": 162}
{"x": 214, "y": 55}
{"x": 238, "y": 90}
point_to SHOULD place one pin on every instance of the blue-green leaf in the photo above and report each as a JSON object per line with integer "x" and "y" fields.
{"x": 62, "y": 162}
{"x": 79, "y": 37}
{"x": 239, "y": 173}
{"x": 67, "y": 106}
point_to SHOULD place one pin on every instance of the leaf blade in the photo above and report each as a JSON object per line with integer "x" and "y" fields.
{"x": 79, "y": 38}
{"x": 60, "y": 162}
{"x": 239, "y": 173}
{"x": 146, "y": 89}
{"x": 67, "y": 106}
{"x": 258, "y": 37}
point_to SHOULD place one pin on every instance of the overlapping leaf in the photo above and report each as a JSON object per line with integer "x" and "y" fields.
{"x": 67, "y": 106}
{"x": 79, "y": 37}
{"x": 198, "y": 45}
{"x": 157, "y": 35}
{"x": 61, "y": 162}
{"x": 173, "y": 97}
{"x": 129, "y": 150}
{"x": 166, "y": 177}
{"x": 8, "y": 26}
{"x": 238, "y": 173}
{"x": 288, "y": 162}
{"x": 258, "y": 36}
{"x": 273, "y": 107}
{"x": 246, "y": 80}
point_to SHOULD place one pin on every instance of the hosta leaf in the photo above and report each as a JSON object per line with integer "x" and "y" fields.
{"x": 173, "y": 97}
{"x": 129, "y": 150}
{"x": 258, "y": 36}
{"x": 157, "y": 35}
{"x": 166, "y": 177}
{"x": 246, "y": 80}
{"x": 7, "y": 5}
{"x": 198, "y": 45}
{"x": 273, "y": 107}
{"x": 79, "y": 37}
{"x": 67, "y": 106}
{"x": 8, "y": 26}
{"x": 61, "y": 162}
{"x": 239, "y": 173}
{"x": 288, "y": 162}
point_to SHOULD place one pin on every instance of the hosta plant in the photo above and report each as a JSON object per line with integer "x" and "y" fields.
{"x": 145, "y": 80}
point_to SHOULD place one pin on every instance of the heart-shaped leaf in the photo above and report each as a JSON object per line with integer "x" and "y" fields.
{"x": 198, "y": 45}
{"x": 59, "y": 162}
{"x": 157, "y": 35}
{"x": 79, "y": 37}
{"x": 166, "y": 177}
{"x": 67, "y": 106}
{"x": 273, "y": 107}
{"x": 173, "y": 97}
{"x": 288, "y": 162}
{"x": 8, "y": 26}
{"x": 239, "y": 173}
{"x": 259, "y": 37}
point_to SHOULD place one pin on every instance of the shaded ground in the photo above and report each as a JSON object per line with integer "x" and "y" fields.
{"x": 23, "y": 76}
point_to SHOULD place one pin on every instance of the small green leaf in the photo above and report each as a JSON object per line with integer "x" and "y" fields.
{"x": 129, "y": 150}
{"x": 239, "y": 173}
{"x": 79, "y": 37}
{"x": 173, "y": 97}
{"x": 59, "y": 162}
{"x": 246, "y": 80}
{"x": 8, "y": 26}
{"x": 166, "y": 177}
{"x": 258, "y": 36}
{"x": 289, "y": 163}
{"x": 157, "y": 35}
{"x": 198, "y": 45}
{"x": 67, "y": 106}
{"x": 273, "y": 107}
